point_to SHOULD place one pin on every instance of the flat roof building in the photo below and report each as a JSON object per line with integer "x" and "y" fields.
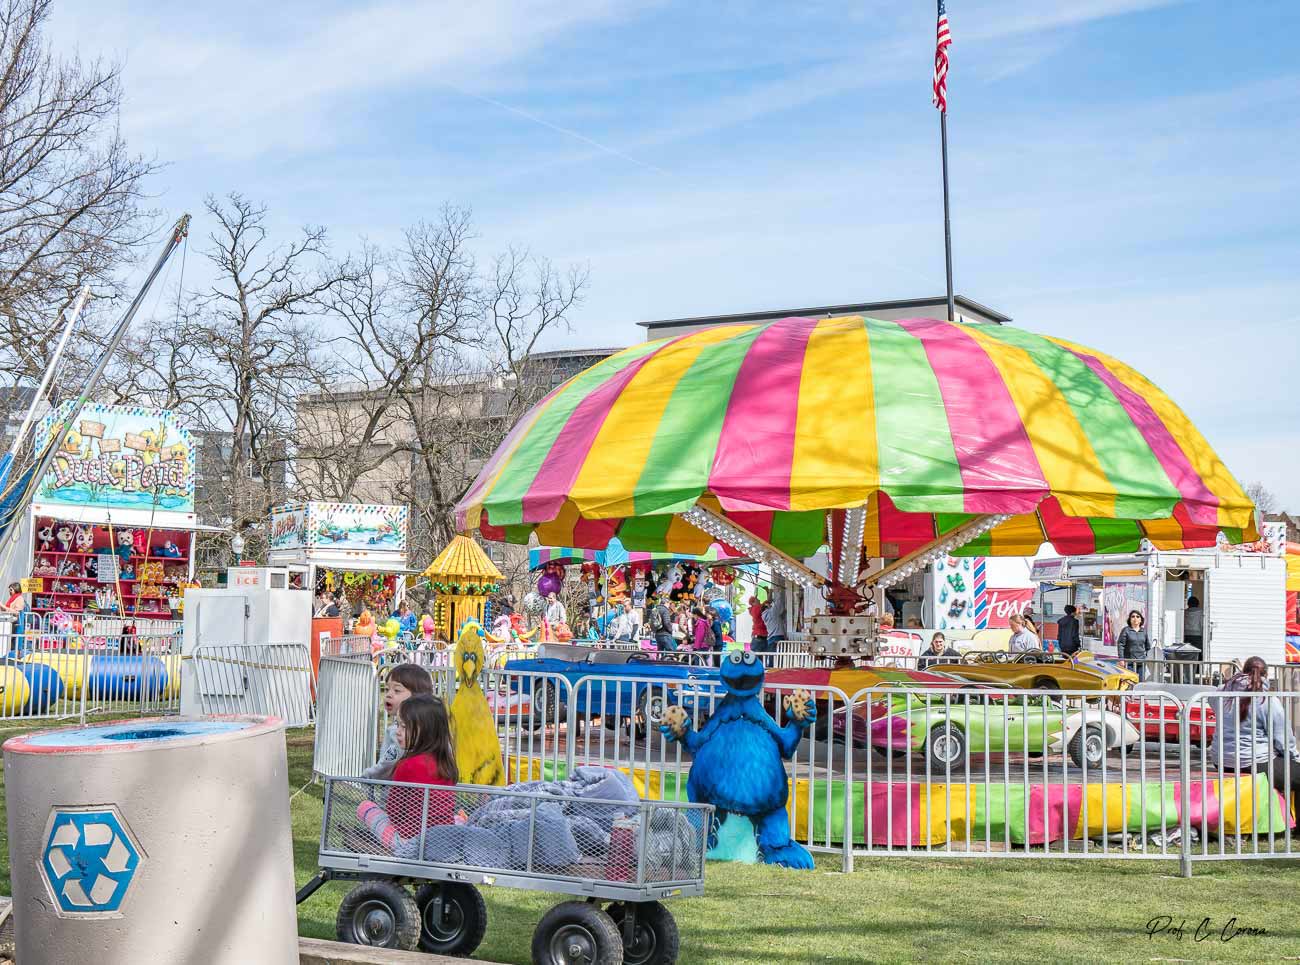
{"x": 969, "y": 311}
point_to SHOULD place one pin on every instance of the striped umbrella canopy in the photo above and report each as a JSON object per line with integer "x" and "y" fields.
{"x": 926, "y": 424}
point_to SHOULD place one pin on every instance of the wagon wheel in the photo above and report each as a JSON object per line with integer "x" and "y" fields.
{"x": 453, "y": 918}
{"x": 379, "y": 914}
{"x": 577, "y": 933}
{"x": 654, "y": 939}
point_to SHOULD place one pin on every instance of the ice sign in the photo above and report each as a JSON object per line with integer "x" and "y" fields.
{"x": 89, "y": 859}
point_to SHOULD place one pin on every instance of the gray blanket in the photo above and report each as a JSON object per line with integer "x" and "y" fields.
{"x": 568, "y": 831}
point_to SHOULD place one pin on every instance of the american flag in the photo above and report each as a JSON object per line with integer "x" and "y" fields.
{"x": 943, "y": 40}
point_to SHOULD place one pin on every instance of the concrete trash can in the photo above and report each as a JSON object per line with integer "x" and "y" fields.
{"x": 160, "y": 840}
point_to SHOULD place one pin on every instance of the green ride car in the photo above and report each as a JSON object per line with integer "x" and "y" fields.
{"x": 949, "y": 729}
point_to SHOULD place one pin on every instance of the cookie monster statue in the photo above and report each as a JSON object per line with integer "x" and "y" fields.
{"x": 738, "y": 756}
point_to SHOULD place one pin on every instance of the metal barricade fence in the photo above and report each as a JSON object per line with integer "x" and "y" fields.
{"x": 1251, "y": 773}
{"x": 984, "y": 771}
{"x": 531, "y": 713}
{"x": 347, "y": 715}
{"x": 273, "y": 679}
{"x": 42, "y": 684}
{"x": 348, "y": 645}
{"x": 47, "y": 676}
{"x": 973, "y": 771}
{"x": 1162, "y": 670}
{"x": 614, "y": 721}
{"x": 712, "y": 658}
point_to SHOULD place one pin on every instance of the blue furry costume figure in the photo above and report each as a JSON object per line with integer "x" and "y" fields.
{"x": 738, "y": 756}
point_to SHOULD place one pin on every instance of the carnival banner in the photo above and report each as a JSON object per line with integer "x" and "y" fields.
{"x": 1120, "y": 596}
{"x": 117, "y": 457}
{"x": 1004, "y": 602}
{"x": 339, "y": 526}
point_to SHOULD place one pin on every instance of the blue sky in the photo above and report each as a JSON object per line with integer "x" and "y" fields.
{"x": 1124, "y": 172}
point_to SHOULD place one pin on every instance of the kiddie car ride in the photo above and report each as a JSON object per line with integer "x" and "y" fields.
{"x": 948, "y": 728}
{"x": 1036, "y": 670}
{"x": 615, "y": 685}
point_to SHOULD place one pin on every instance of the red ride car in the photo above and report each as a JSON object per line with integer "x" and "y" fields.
{"x": 1158, "y": 720}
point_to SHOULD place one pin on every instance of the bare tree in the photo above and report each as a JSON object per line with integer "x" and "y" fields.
{"x": 70, "y": 191}
{"x": 1262, "y": 497}
{"x": 255, "y": 350}
{"x": 440, "y": 353}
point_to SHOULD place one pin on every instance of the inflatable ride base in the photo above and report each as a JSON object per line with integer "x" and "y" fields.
{"x": 899, "y": 814}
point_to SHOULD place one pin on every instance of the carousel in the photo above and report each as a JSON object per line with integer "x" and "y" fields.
{"x": 893, "y": 443}
{"x": 462, "y": 579}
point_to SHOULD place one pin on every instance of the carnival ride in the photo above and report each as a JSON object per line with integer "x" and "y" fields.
{"x": 892, "y": 443}
{"x": 966, "y": 440}
{"x": 641, "y": 689}
{"x": 947, "y": 728}
{"x": 1037, "y": 670}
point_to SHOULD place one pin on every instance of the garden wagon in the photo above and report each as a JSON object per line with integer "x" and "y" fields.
{"x": 618, "y": 859}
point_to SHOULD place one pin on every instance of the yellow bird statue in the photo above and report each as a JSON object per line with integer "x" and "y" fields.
{"x": 478, "y": 753}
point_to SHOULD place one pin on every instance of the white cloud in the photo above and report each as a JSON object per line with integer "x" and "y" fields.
{"x": 198, "y": 86}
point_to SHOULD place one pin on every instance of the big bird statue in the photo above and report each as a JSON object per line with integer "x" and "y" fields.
{"x": 478, "y": 754}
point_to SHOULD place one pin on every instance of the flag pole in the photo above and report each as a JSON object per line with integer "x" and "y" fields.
{"x": 947, "y": 217}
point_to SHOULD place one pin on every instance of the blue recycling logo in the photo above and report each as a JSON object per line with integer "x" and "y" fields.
{"x": 89, "y": 860}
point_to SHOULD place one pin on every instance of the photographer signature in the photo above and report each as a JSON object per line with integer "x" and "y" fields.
{"x": 1205, "y": 930}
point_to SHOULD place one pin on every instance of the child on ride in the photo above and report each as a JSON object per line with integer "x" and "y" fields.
{"x": 424, "y": 730}
{"x": 403, "y": 681}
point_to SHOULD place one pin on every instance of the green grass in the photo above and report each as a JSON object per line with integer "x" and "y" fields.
{"x": 899, "y": 909}
{"x": 908, "y": 909}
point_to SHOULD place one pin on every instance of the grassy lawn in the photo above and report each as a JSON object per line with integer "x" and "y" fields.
{"x": 901, "y": 909}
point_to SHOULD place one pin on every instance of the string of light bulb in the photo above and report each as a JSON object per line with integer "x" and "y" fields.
{"x": 916, "y": 561}
{"x": 752, "y": 546}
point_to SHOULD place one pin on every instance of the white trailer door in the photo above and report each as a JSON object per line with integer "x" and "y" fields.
{"x": 1244, "y": 615}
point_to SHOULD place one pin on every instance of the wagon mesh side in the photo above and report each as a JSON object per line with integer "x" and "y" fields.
{"x": 498, "y": 831}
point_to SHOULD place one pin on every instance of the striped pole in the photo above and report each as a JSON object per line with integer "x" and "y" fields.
{"x": 981, "y": 595}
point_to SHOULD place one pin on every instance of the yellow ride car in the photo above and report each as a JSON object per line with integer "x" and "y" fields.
{"x": 1037, "y": 670}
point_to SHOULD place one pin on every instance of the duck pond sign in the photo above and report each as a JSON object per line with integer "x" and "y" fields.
{"x": 111, "y": 457}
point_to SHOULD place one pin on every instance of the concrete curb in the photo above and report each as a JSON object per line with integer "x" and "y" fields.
{"x": 314, "y": 951}
{"x": 311, "y": 951}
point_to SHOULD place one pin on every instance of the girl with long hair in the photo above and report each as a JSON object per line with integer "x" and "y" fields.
{"x": 424, "y": 732}
{"x": 1252, "y": 733}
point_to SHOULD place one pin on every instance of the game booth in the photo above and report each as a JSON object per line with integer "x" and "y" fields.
{"x": 106, "y": 548}
{"x": 356, "y": 548}
{"x": 614, "y": 574}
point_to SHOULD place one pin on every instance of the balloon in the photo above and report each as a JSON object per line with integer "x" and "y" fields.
{"x": 534, "y": 604}
{"x": 549, "y": 583}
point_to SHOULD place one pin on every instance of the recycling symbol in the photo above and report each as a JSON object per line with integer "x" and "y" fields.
{"x": 89, "y": 859}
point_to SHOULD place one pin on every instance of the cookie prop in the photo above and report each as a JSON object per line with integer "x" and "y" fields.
{"x": 796, "y": 703}
{"x": 674, "y": 718}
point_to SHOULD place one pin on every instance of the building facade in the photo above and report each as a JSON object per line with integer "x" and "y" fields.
{"x": 968, "y": 311}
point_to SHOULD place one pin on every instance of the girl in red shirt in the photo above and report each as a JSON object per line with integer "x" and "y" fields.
{"x": 424, "y": 732}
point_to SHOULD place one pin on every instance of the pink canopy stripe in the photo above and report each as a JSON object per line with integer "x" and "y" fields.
{"x": 555, "y": 477}
{"x": 755, "y": 453}
{"x": 999, "y": 469}
{"x": 1201, "y": 502}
